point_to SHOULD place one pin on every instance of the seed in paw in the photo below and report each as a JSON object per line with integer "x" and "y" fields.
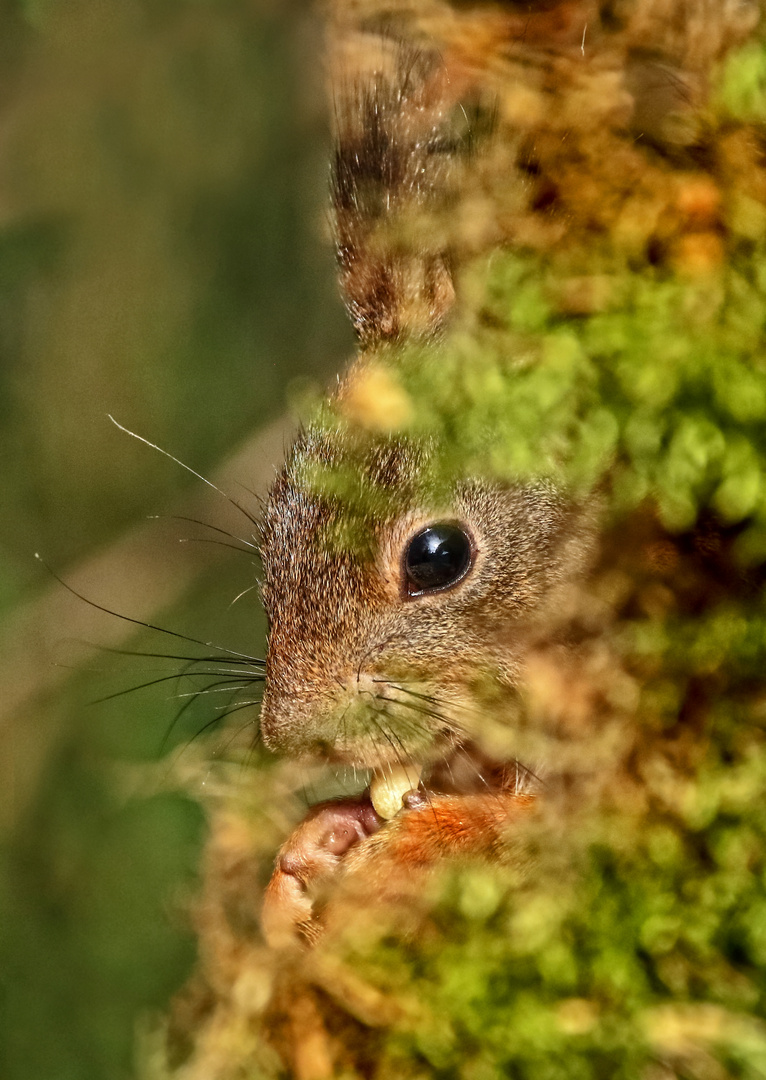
{"x": 388, "y": 788}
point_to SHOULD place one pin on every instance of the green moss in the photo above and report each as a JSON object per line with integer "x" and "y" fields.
{"x": 637, "y": 947}
{"x": 742, "y": 84}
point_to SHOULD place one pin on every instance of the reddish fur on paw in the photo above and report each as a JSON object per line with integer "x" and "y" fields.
{"x": 443, "y": 826}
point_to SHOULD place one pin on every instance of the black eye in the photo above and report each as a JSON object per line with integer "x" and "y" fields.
{"x": 436, "y": 557}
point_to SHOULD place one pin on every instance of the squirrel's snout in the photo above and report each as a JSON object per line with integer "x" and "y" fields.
{"x": 349, "y": 718}
{"x": 293, "y": 717}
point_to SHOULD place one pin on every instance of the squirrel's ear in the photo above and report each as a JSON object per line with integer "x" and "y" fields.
{"x": 393, "y": 158}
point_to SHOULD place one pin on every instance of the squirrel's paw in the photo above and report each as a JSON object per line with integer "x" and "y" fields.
{"x": 307, "y": 861}
{"x": 326, "y": 876}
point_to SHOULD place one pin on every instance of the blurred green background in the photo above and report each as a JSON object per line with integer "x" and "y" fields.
{"x": 163, "y": 175}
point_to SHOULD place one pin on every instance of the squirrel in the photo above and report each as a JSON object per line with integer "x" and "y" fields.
{"x": 411, "y": 624}
{"x": 380, "y": 654}
{"x": 435, "y": 633}
{"x": 400, "y": 629}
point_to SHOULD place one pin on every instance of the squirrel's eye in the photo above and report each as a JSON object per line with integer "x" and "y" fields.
{"x": 437, "y": 557}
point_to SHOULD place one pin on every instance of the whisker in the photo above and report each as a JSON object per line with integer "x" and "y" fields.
{"x": 210, "y": 540}
{"x": 136, "y": 622}
{"x": 208, "y": 724}
{"x": 449, "y": 721}
{"x": 413, "y": 693}
{"x": 426, "y": 792}
{"x": 235, "y": 735}
{"x": 228, "y": 688}
{"x": 413, "y": 725}
{"x": 529, "y": 772}
{"x": 455, "y": 725}
{"x": 204, "y": 525}
{"x": 186, "y": 705}
{"x": 258, "y": 498}
{"x": 217, "y": 719}
{"x": 235, "y": 708}
{"x": 188, "y": 468}
{"x": 390, "y": 736}
{"x": 173, "y": 656}
{"x": 243, "y": 593}
{"x": 255, "y": 743}
{"x": 222, "y": 685}
{"x": 155, "y": 682}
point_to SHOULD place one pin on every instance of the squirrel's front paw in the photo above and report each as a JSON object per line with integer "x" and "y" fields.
{"x": 308, "y": 859}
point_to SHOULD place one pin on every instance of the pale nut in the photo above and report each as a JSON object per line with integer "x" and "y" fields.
{"x": 387, "y": 789}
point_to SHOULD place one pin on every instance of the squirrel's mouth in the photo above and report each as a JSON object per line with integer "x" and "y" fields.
{"x": 467, "y": 770}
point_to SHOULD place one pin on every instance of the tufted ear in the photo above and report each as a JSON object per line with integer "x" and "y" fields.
{"x": 394, "y": 153}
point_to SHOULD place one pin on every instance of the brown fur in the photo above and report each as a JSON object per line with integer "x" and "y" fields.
{"x": 360, "y": 672}
{"x": 391, "y": 161}
{"x": 339, "y": 619}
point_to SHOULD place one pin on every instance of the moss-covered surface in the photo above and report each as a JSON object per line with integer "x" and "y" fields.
{"x": 609, "y": 333}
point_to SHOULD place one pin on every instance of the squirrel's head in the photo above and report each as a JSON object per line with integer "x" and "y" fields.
{"x": 391, "y": 613}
